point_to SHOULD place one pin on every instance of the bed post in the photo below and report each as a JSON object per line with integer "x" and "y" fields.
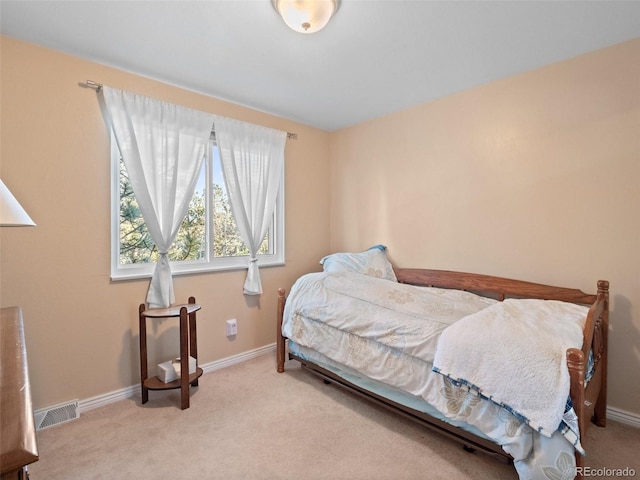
{"x": 576, "y": 366}
{"x": 591, "y": 404}
{"x": 279, "y": 338}
{"x": 601, "y": 342}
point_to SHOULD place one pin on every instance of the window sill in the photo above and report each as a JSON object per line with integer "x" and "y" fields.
{"x": 139, "y": 272}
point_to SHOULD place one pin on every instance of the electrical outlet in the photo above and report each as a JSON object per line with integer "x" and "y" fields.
{"x": 232, "y": 327}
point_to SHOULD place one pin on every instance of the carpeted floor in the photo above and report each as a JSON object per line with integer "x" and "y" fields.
{"x": 248, "y": 422}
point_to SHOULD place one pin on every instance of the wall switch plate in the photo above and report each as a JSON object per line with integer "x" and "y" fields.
{"x": 232, "y": 327}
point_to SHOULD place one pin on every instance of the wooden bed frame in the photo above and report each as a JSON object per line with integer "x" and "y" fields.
{"x": 589, "y": 400}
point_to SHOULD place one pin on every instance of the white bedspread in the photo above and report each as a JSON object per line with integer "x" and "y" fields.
{"x": 405, "y": 318}
{"x": 383, "y": 331}
{"x": 513, "y": 353}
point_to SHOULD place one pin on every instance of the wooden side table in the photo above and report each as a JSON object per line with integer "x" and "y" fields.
{"x": 188, "y": 347}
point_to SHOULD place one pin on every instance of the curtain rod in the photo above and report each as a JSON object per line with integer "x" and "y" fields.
{"x": 98, "y": 86}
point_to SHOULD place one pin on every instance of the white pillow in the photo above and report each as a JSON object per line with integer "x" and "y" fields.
{"x": 372, "y": 262}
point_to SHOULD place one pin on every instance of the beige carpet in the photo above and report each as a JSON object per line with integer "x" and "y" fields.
{"x": 248, "y": 422}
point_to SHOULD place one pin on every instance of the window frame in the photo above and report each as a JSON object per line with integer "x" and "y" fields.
{"x": 210, "y": 263}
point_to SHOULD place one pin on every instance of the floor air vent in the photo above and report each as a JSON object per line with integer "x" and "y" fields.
{"x": 56, "y": 415}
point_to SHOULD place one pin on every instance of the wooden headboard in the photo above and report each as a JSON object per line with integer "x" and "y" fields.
{"x": 488, "y": 285}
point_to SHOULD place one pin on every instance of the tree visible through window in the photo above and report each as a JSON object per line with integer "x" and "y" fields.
{"x": 136, "y": 245}
{"x": 195, "y": 241}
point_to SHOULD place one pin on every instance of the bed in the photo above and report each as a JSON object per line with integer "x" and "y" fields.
{"x": 460, "y": 353}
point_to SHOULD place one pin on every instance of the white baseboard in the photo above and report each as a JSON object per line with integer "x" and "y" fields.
{"x": 622, "y": 416}
{"x": 615, "y": 414}
{"x": 134, "y": 390}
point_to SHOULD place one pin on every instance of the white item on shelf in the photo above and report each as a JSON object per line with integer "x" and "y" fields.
{"x": 170, "y": 370}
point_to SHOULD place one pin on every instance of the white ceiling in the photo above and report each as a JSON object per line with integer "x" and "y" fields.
{"x": 374, "y": 57}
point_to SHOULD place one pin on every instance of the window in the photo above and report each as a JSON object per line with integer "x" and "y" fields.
{"x": 208, "y": 238}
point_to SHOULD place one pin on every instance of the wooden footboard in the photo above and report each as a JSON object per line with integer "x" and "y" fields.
{"x": 589, "y": 398}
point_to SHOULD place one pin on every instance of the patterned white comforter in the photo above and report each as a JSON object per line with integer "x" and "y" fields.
{"x": 388, "y": 332}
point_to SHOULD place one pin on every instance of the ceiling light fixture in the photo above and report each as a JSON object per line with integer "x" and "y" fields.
{"x": 306, "y": 16}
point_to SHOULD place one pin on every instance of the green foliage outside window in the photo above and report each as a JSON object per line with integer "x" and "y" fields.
{"x": 137, "y": 246}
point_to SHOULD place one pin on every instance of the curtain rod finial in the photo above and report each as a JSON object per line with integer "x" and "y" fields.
{"x": 95, "y": 85}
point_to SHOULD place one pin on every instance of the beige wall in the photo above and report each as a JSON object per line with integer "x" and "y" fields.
{"x": 81, "y": 329}
{"x": 534, "y": 177}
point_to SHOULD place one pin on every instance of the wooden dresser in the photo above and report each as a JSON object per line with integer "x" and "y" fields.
{"x": 18, "y": 446}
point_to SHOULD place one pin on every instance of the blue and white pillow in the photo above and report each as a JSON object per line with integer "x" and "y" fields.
{"x": 372, "y": 262}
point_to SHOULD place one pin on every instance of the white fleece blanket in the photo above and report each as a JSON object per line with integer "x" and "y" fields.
{"x": 513, "y": 353}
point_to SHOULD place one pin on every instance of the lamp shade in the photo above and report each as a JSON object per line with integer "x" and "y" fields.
{"x": 11, "y": 212}
{"x": 306, "y": 16}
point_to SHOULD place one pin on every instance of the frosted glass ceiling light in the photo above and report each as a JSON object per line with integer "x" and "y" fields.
{"x": 306, "y": 16}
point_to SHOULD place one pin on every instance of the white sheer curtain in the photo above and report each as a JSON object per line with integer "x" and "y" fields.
{"x": 162, "y": 146}
{"x": 252, "y": 160}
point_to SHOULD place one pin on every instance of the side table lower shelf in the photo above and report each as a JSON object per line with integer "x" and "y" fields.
{"x": 188, "y": 348}
{"x": 154, "y": 383}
